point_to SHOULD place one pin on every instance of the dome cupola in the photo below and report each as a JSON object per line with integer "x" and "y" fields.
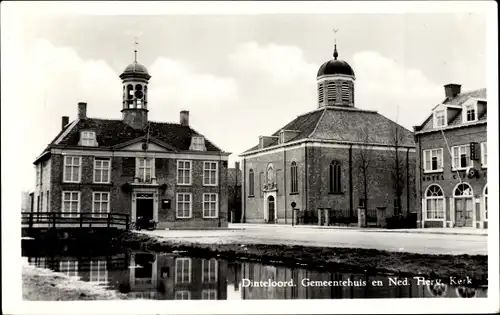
{"x": 335, "y": 82}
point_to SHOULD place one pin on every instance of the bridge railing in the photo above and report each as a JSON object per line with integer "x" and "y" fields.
{"x": 74, "y": 219}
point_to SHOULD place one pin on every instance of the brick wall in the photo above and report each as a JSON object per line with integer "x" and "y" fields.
{"x": 313, "y": 181}
{"x": 123, "y": 171}
{"x": 449, "y": 179}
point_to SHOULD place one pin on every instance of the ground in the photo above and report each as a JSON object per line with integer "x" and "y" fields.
{"x": 45, "y": 285}
{"x": 421, "y": 241}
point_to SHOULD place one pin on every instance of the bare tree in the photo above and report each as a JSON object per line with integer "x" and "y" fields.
{"x": 364, "y": 161}
{"x": 398, "y": 171}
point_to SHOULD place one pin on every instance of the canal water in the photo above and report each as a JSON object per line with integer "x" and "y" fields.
{"x": 176, "y": 276}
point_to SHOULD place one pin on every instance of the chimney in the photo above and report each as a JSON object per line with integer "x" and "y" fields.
{"x": 237, "y": 165}
{"x": 451, "y": 90}
{"x": 184, "y": 118}
{"x": 82, "y": 110}
{"x": 65, "y": 121}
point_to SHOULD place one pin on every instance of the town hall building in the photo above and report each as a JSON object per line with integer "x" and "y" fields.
{"x": 336, "y": 156}
{"x": 166, "y": 172}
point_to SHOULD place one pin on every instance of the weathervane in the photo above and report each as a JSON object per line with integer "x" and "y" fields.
{"x": 335, "y": 53}
{"x": 136, "y": 44}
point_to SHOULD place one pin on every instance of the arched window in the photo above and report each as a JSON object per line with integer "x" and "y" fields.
{"x": 293, "y": 178}
{"x": 463, "y": 197}
{"x": 434, "y": 200}
{"x": 485, "y": 202}
{"x": 335, "y": 176}
{"x": 251, "y": 183}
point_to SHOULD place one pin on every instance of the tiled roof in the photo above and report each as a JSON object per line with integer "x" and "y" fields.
{"x": 113, "y": 132}
{"x": 346, "y": 125}
{"x": 458, "y": 100}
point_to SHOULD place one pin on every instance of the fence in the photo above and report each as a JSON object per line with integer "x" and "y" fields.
{"x": 74, "y": 219}
{"x": 336, "y": 217}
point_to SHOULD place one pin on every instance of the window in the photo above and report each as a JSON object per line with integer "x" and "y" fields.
{"x": 335, "y": 175}
{"x": 72, "y": 169}
{"x": 251, "y": 183}
{"x": 346, "y": 93}
{"x": 100, "y": 205}
{"x": 98, "y": 271}
{"x": 484, "y": 154}
{"x": 332, "y": 92}
{"x": 434, "y": 200}
{"x": 210, "y": 173}
{"x": 197, "y": 144}
{"x": 184, "y": 172}
{"x": 209, "y": 270}
{"x": 470, "y": 113}
{"x": 461, "y": 157}
{"x": 183, "y": 295}
{"x": 485, "y": 197}
{"x": 47, "y": 196}
{"x": 433, "y": 160}
{"x": 87, "y": 138}
{"x": 210, "y": 206}
{"x": 102, "y": 170}
{"x": 145, "y": 169}
{"x": 183, "y": 205}
{"x": 320, "y": 93}
{"x": 440, "y": 118}
{"x": 463, "y": 202}
{"x": 70, "y": 203}
{"x": 41, "y": 201}
{"x": 293, "y": 177}
{"x": 209, "y": 294}
{"x": 69, "y": 267}
{"x": 183, "y": 270}
{"x": 38, "y": 203}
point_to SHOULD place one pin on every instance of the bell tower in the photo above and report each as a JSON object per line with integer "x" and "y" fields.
{"x": 135, "y": 79}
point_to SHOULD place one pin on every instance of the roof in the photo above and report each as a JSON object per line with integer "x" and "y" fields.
{"x": 110, "y": 133}
{"x": 335, "y": 67}
{"x": 459, "y": 101}
{"x": 346, "y": 124}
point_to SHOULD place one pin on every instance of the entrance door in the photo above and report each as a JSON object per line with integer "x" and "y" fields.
{"x": 145, "y": 208}
{"x": 463, "y": 212}
{"x": 270, "y": 209}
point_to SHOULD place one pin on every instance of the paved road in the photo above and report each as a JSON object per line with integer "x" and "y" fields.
{"x": 391, "y": 241}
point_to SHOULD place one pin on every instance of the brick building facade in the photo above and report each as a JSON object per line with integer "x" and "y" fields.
{"x": 167, "y": 172}
{"x": 452, "y": 162}
{"x": 337, "y": 156}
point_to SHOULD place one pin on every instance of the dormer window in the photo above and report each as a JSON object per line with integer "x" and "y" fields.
{"x": 470, "y": 113}
{"x": 197, "y": 144}
{"x": 88, "y": 139}
{"x": 440, "y": 118}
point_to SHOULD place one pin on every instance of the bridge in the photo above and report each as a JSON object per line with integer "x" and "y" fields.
{"x": 41, "y": 220}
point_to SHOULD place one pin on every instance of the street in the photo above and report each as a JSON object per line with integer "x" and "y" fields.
{"x": 423, "y": 243}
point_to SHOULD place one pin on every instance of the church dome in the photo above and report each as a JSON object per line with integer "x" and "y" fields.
{"x": 135, "y": 68}
{"x": 334, "y": 66}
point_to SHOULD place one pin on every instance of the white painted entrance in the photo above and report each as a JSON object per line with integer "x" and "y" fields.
{"x": 270, "y": 207}
{"x": 145, "y": 203}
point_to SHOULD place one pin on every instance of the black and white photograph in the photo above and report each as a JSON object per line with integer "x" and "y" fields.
{"x": 249, "y": 157}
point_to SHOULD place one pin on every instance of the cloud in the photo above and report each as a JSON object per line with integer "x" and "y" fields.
{"x": 384, "y": 85}
{"x": 57, "y": 78}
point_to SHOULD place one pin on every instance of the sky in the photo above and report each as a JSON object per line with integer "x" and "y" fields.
{"x": 240, "y": 76}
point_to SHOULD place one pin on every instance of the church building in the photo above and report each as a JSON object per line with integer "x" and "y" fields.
{"x": 167, "y": 172}
{"x": 336, "y": 156}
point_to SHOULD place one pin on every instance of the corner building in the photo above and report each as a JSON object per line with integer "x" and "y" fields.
{"x": 452, "y": 161}
{"x": 336, "y": 156}
{"x": 167, "y": 172}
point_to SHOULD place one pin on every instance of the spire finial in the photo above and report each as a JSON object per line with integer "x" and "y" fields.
{"x": 136, "y": 44}
{"x": 335, "y": 53}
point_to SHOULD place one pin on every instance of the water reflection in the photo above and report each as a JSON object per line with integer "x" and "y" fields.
{"x": 174, "y": 276}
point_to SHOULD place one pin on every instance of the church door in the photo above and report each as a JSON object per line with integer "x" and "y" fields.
{"x": 270, "y": 209}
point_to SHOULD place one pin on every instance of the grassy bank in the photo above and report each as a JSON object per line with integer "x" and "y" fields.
{"x": 46, "y": 285}
{"x": 339, "y": 259}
